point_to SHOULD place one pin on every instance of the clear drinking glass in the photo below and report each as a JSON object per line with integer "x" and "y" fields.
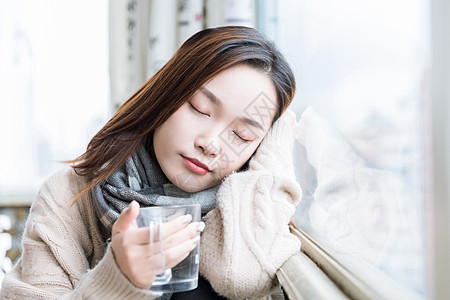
{"x": 184, "y": 276}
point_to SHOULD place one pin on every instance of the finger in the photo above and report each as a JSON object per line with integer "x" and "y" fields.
{"x": 126, "y": 218}
{"x": 185, "y": 234}
{"x": 176, "y": 254}
{"x": 142, "y": 235}
{"x": 175, "y": 225}
{"x": 176, "y": 239}
{"x": 142, "y": 262}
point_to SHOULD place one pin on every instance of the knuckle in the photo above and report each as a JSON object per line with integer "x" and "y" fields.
{"x": 193, "y": 230}
{"x": 169, "y": 242}
{"x": 168, "y": 255}
{"x": 148, "y": 249}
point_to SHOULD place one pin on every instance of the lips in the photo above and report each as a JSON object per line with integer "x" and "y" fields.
{"x": 195, "y": 165}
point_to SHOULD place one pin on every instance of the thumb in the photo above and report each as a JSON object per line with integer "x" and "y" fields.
{"x": 126, "y": 218}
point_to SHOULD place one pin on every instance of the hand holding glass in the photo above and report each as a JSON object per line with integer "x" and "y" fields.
{"x": 184, "y": 275}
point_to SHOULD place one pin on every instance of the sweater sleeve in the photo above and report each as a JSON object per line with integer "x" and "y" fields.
{"x": 247, "y": 237}
{"x": 54, "y": 262}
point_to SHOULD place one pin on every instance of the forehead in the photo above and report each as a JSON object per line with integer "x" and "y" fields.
{"x": 246, "y": 91}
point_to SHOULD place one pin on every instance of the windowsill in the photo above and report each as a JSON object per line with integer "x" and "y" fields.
{"x": 378, "y": 287}
{"x": 301, "y": 278}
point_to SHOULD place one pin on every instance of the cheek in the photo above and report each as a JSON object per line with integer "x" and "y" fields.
{"x": 248, "y": 154}
{"x": 166, "y": 137}
{"x": 234, "y": 161}
{"x": 174, "y": 126}
{"x": 160, "y": 145}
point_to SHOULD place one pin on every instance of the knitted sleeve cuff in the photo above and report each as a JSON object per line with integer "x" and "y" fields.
{"x": 106, "y": 281}
{"x": 275, "y": 151}
{"x": 280, "y": 135}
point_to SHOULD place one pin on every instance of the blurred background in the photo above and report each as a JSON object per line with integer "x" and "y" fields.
{"x": 363, "y": 69}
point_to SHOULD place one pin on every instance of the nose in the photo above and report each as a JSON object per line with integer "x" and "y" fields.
{"x": 208, "y": 145}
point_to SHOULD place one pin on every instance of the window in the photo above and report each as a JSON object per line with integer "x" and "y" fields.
{"x": 53, "y": 87}
{"x": 363, "y": 72}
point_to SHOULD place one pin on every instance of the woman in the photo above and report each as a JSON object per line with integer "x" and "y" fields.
{"x": 203, "y": 129}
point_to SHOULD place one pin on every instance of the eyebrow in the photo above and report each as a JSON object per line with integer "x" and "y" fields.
{"x": 211, "y": 96}
{"x": 219, "y": 102}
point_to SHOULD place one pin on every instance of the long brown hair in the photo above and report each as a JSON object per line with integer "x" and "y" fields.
{"x": 198, "y": 60}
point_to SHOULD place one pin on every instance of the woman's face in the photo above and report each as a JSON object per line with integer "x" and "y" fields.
{"x": 217, "y": 130}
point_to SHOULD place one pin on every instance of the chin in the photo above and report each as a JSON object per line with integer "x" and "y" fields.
{"x": 189, "y": 183}
{"x": 190, "y": 189}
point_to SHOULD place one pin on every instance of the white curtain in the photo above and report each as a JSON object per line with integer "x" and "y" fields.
{"x": 145, "y": 34}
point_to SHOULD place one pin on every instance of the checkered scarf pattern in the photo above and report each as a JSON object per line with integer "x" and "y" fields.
{"x": 141, "y": 179}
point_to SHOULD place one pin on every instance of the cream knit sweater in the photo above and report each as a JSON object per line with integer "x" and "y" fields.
{"x": 245, "y": 241}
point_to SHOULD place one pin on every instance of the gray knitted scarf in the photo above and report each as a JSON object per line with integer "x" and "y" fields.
{"x": 141, "y": 179}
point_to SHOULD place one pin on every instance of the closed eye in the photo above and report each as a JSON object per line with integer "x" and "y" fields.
{"x": 196, "y": 110}
{"x": 241, "y": 138}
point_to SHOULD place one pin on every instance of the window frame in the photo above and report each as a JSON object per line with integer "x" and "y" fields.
{"x": 438, "y": 202}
